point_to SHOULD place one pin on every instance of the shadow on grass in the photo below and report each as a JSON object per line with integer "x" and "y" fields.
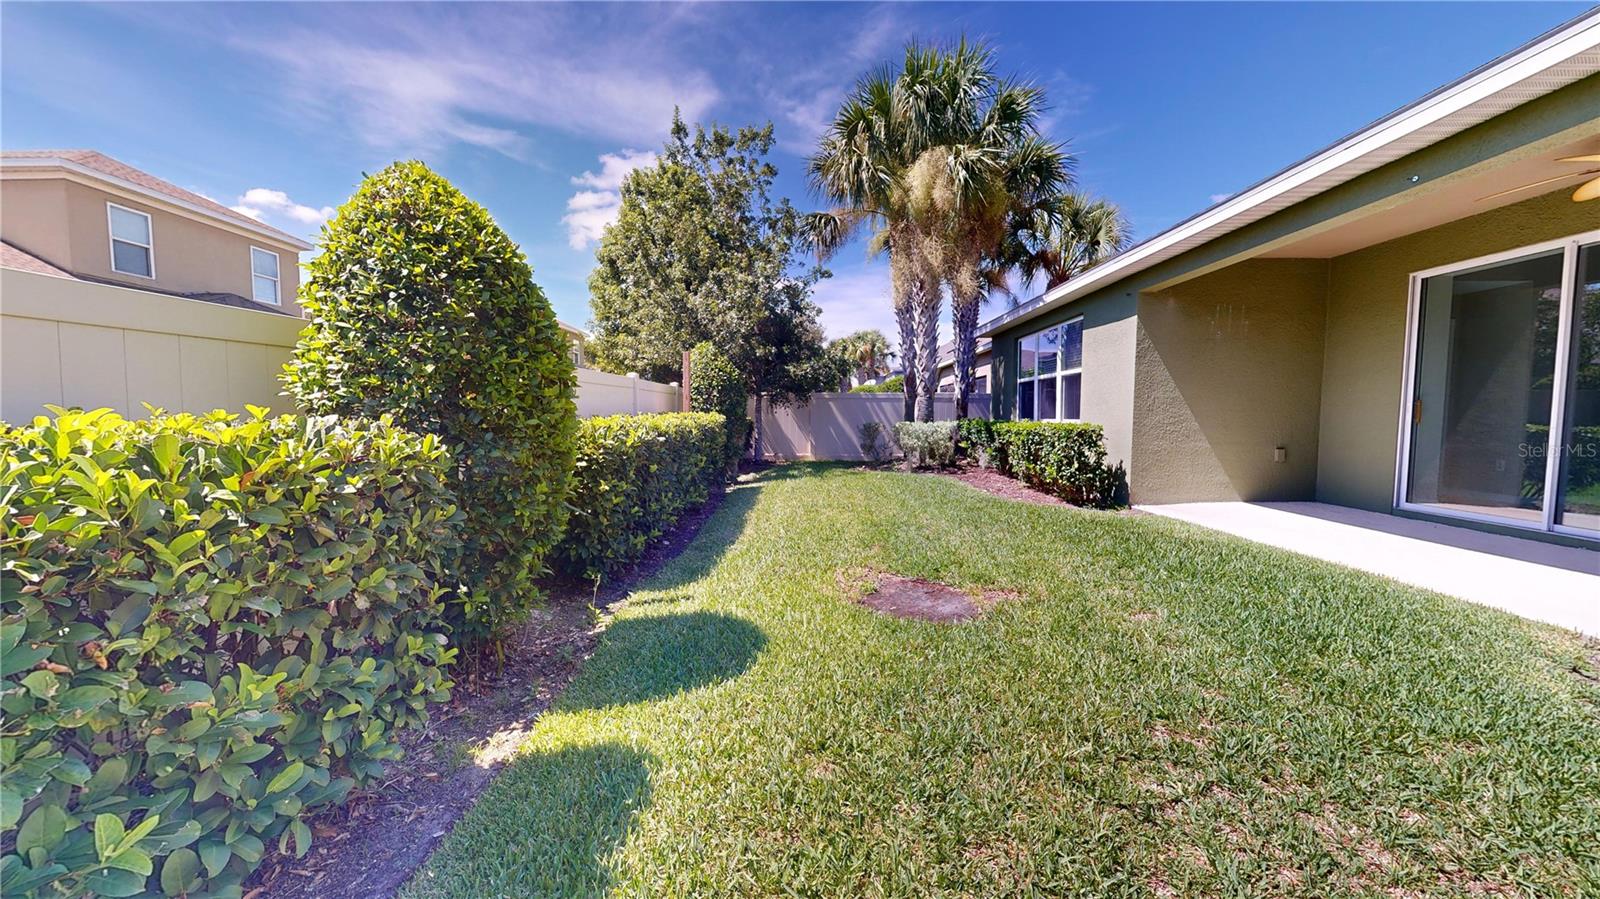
{"x": 564, "y": 812}
{"x": 655, "y": 656}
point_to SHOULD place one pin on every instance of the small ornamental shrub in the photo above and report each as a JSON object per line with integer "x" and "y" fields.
{"x": 209, "y": 630}
{"x": 872, "y": 446}
{"x": 716, "y": 386}
{"x": 1065, "y": 459}
{"x": 894, "y": 384}
{"x": 420, "y": 307}
{"x": 926, "y": 444}
{"x": 975, "y": 440}
{"x": 635, "y": 475}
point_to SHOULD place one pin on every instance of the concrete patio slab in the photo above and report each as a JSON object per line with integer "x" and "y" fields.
{"x": 1556, "y": 584}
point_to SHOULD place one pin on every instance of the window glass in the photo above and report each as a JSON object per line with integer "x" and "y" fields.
{"x": 263, "y": 263}
{"x": 981, "y": 385}
{"x": 1072, "y": 396}
{"x": 1072, "y": 345}
{"x": 1047, "y": 397}
{"x": 264, "y": 290}
{"x": 264, "y": 276}
{"x": 1025, "y": 400}
{"x": 130, "y": 226}
{"x": 1027, "y": 356}
{"x": 130, "y": 259}
{"x": 1580, "y": 444}
{"x": 1049, "y": 344}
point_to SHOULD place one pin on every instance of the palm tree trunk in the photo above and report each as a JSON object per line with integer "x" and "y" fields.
{"x": 927, "y": 370}
{"x": 964, "y": 316}
{"x": 905, "y": 315}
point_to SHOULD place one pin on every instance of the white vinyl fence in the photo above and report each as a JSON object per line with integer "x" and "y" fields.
{"x": 829, "y": 426}
{"x": 602, "y": 393}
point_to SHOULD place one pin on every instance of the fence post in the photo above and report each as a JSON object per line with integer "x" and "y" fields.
{"x": 633, "y": 382}
{"x": 683, "y": 394}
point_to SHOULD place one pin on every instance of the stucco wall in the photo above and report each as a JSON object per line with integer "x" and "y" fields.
{"x": 1364, "y": 349}
{"x": 65, "y": 224}
{"x": 1229, "y": 367}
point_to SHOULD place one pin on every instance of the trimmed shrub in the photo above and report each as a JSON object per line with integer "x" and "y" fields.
{"x": 926, "y": 444}
{"x": 895, "y": 384}
{"x": 210, "y": 629}
{"x": 635, "y": 475}
{"x": 975, "y": 440}
{"x": 872, "y": 448}
{"x": 1066, "y": 459}
{"x": 421, "y": 307}
{"x": 716, "y": 386}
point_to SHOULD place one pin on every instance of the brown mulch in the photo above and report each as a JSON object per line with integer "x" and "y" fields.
{"x": 990, "y": 481}
{"x": 370, "y": 846}
{"x": 915, "y": 597}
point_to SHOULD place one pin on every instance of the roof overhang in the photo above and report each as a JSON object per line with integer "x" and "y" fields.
{"x": 45, "y": 167}
{"x": 1550, "y": 62}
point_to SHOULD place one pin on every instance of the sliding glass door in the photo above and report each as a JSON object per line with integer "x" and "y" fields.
{"x": 1504, "y": 416}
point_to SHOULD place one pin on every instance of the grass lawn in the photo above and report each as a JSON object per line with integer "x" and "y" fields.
{"x": 1161, "y": 711}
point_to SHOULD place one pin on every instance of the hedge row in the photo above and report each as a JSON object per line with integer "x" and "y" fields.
{"x": 1582, "y": 456}
{"x": 716, "y": 386}
{"x": 1065, "y": 459}
{"x": 635, "y": 475}
{"x": 209, "y": 628}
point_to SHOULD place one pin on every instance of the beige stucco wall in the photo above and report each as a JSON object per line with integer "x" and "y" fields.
{"x": 1228, "y": 368}
{"x": 65, "y": 223}
{"x": 73, "y": 343}
{"x": 1366, "y": 331}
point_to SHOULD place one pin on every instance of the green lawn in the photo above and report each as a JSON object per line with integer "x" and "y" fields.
{"x": 1163, "y": 711}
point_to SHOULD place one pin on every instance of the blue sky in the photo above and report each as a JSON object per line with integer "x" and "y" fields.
{"x": 536, "y": 110}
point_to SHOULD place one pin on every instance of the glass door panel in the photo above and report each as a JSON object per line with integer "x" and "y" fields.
{"x": 1579, "y": 506}
{"x": 1480, "y": 415}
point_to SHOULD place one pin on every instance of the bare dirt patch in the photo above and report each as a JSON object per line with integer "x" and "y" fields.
{"x": 918, "y": 598}
{"x": 369, "y": 847}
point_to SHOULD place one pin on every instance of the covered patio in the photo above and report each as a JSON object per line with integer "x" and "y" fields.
{"x": 1535, "y": 579}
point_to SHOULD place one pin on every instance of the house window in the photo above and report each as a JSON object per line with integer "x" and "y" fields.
{"x": 132, "y": 250}
{"x": 1502, "y": 414}
{"x": 1050, "y": 373}
{"x": 264, "y": 276}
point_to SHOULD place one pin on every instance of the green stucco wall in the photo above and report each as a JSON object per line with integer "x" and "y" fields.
{"x": 1229, "y": 368}
{"x": 1364, "y": 347}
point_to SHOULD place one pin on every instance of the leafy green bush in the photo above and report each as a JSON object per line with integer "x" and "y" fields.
{"x": 635, "y": 475}
{"x": 975, "y": 440}
{"x": 872, "y": 448}
{"x": 422, "y": 308}
{"x": 1066, "y": 459}
{"x": 926, "y": 444}
{"x": 895, "y": 384}
{"x": 209, "y": 629}
{"x": 716, "y": 386}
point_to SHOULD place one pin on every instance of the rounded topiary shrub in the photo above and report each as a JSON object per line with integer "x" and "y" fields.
{"x": 716, "y": 386}
{"x": 420, "y": 307}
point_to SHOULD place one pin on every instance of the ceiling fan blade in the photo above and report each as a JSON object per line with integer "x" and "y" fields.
{"x": 1587, "y": 191}
{"x": 1512, "y": 190}
{"x": 1595, "y": 158}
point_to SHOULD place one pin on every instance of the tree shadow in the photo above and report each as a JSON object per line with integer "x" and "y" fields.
{"x": 650, "y": 657}
{"x": 560, "y": 815}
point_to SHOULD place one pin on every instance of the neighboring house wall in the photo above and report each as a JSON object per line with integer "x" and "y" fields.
{"x": 1229, "y": 367}
{"x": 1366, "y": 334}
{"x": 65, "y": 223}
{"x": 73, "y": 343}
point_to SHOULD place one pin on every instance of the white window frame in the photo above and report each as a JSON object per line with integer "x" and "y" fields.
{"x": 1558, "y": 401}
{"x": 112, "y": 238}
{"x": 1059, "y": 374}
{"x": 277, "y": 281}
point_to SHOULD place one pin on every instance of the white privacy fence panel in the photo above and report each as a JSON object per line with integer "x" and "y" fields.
{"x": 829, "y": 426}
{"x": 603, "y": 393}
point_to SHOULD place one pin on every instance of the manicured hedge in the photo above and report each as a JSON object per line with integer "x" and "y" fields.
{"x": 716, "y": 386}
{"x": 209, "y": 629}
{"x": 1066, "y": 459}
{"x": 636, "y": 474}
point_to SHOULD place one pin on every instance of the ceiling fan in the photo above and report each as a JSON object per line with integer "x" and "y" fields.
{"x": 1588, "y": 190}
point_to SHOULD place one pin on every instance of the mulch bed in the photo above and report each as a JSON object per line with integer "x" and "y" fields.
{"x": 990, "y": 481}
{"x": 370, "y": 846}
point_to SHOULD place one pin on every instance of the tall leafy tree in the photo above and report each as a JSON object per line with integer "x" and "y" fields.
{"x": 701, "y": 252}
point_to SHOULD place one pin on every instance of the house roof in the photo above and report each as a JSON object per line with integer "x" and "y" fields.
{"x": 98, "y": 166}
{"x": 1555, "y": 59}
{"x": 14, "y": 257}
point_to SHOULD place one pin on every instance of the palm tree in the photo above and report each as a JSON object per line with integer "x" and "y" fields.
{"x": 1082, "y": 233}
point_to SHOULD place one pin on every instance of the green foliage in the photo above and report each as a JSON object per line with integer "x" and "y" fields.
{"x": 210, "y": 628}
{"x": 1065, "y": 459}
{"x": 975, "y": 440}
{"x": 872, "y": 446}
{"x": 865, "y": 353}
{"x": 422, "y": 308}
{"x": 716, "y": 386}
{"x": 635, "y": 475}
{"x": 894, "y": 384}
{"x": 701, "y": 252}
{"x": 1582, "y": 457}
{"x": 926, "y": 444}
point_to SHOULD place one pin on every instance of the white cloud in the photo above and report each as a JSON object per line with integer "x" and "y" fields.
{"x": 590, "y": 211}
{"x": 807, "y": 96}
{"x": 1218, "y": 198}
{"x": 258, "y": 201}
